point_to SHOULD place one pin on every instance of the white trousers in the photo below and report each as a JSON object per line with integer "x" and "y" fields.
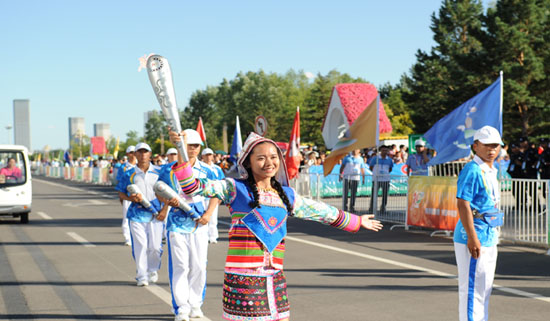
{"x": 475, "y": 282}
{"x": 187, "y": 257}
{"x": 213, "y": 225}
{"x": 125, "y": 225}
{"x": 146, "y": 247}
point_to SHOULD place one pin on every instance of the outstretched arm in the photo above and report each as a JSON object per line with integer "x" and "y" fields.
{"x": 308, "y": 209}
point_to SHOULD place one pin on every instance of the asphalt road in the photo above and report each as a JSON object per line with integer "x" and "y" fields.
{"x": 69, "y": 263}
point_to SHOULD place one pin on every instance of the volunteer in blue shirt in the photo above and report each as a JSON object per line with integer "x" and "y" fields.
{"x": 475, "y": 236}
{"x": 381, "y": 167}
{"x": 417, "y": 164}
{"x": 351, "y": 171}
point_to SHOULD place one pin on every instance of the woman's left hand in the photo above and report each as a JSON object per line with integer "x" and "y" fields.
{"x": 370, "y": 224}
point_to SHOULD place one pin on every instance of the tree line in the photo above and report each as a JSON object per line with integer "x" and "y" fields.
{"x": 472, "y": 45}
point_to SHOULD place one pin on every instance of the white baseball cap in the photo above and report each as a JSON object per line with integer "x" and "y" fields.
{"x": 171, "y": 151}
{"x": 207, "y": 151}
{"x": 130, "y": 149}
{"x": 193, "y": 136}
{"x": 488, "y": 135}
{"x": 419, "y": 142}
{"x": 143, "y": 146}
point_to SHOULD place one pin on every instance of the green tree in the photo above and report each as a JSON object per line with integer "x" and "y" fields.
{"x": 449, "y": 74}
{"x": 518, "y": 42}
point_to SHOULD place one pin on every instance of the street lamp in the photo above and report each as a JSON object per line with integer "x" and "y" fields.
{"x": 8, "y": 128}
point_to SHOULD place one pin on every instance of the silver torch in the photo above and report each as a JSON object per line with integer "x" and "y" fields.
{"x": 162, "y": 189}
{"x": 134, "y": 189}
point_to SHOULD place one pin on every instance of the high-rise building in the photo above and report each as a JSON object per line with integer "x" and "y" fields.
{"x": 76, "y": 129}
{"x": 147, "y": 115}
{"x": 103, "y": 130}
{"x": 22, "y": 122}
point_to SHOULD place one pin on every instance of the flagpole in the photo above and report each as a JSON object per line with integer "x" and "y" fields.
{"x": 501, "y": 99}
{"x": 375, "y": 200}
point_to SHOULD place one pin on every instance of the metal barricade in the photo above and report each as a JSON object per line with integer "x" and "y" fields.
{"x": 447, "y": 169}
{"x": 330, "y": 190}
{"x": 525, "y": 204}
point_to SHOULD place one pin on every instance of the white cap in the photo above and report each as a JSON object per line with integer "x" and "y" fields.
{"x": 207, "y": 151}
{"x": 419, "y": 142}
{"x": 130, "y": 149}
{"x": 171, "y": 151}
{"x": 143, "y": 146}
{"x": 193, "y": 137}
{"x": 488, "y": 135}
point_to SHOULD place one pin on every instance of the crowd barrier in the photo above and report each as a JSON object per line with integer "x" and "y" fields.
{"x": 525, "y": 202}
{"x": 80, "y": 174}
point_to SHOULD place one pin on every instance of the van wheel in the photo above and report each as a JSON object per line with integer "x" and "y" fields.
{"x": 24, "y": 218}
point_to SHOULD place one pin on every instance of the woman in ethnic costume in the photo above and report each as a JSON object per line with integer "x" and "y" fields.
{"x": 254, "y": 283}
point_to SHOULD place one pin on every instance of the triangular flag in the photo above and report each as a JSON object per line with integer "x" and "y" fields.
{"x": 200, "y": 130}
{"x": 292, "y": 157}
{"x": 237, "y": 144}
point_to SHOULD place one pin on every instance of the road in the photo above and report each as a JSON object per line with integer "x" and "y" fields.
{"x": 69, "y": 263}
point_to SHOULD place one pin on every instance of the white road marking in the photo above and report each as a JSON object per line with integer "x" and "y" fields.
{"x": 76, "y": 189}
{"x": 412, "y": 267}
{"x": 80, "y": 239}
{"x": 44, "y": 215}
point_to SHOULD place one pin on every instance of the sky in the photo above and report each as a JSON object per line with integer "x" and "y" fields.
{"x": 80, "y": 58}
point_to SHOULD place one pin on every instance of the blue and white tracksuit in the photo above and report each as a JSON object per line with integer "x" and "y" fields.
{"x": 188, "y": 250}
{"x": 213, "y": 223}
{"x": 477, "y": 184}
{"x": 125, "y": 204}
{"x": 145, "y": 230}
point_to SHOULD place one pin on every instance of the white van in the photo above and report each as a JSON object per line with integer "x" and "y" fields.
{"x": 15, "y": 182}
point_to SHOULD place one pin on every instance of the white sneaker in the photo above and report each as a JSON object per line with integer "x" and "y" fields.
{"x": 181, "y": 317}
{"x": 142, "y": 283}
{"x": 212, "y": 241}
{"x": 128, "y": 243}
{"x": 196, "y": 313}
{"x": 153, "y": 277}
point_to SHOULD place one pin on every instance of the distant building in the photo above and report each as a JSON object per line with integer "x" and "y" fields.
{"x": 103, "y": 130}
{"x": 22, "y": 122}
{"x": 76, "y": 129}
{"x": 146, "y": 116}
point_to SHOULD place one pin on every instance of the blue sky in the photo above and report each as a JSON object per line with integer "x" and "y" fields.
{"x": 80, "y": 58}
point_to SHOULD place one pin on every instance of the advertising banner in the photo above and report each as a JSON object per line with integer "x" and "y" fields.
{"x": 432, "y": 202}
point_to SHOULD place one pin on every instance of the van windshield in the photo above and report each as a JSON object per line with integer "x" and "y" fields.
{"x": 12, "y": 168}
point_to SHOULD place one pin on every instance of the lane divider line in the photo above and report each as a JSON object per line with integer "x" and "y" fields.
{"x": 80, "y": 239}
{"x": 44, "y": 215}
{"x": 411, "y": 266}
{"x": 76, "y": 189}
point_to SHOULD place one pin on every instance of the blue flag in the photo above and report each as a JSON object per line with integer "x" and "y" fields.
{"x": 237, "y": 145}
{"x": 453, "y": 134}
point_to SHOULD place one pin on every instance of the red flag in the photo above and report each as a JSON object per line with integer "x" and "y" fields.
{"x": 200, "y": 130}
{"x": 292, "y": 157}
{"x": 98, "y": 145}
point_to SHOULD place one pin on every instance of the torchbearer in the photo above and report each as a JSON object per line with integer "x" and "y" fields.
{"x": 187, "y": 238}
{"x": 475, "y": 235}
{"x": 146, "y": 230}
